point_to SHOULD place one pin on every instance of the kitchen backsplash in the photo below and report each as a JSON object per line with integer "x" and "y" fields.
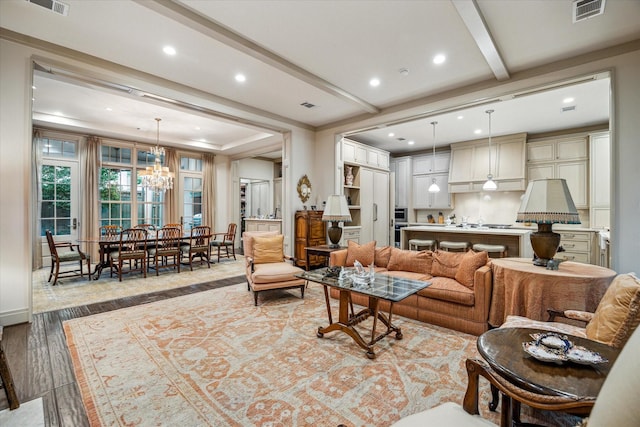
{"x": 494, "y": 208}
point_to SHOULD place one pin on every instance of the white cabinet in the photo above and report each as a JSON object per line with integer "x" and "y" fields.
{"x": 374, "y": 206}
{"x": 579, "y": 246}
{"x": 402, "y": 168}
{"x": 564, "y": 158}
{"x": 423, "y": 199}
{"x": 470, "y": 164}
{"x": 360, "y": 154}
{"x": 431, "y": 164}
{"x": 350, "y": 233}
{"x": 600, "y": 180}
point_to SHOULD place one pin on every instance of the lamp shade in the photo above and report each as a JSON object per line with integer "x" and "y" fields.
{"x": 336, "y": 209}
{"x": 548, "y": 201}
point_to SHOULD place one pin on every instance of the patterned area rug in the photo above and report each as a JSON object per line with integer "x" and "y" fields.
{"x": 212, "y": 358}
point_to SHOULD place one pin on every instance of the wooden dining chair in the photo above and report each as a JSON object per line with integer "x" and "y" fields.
{"x": 225, "y": 241}
{"x": 65, "y": 252}
{"x": 199, "y": 245}
{"x": 131, "y": 247}
{"x": 166, "y": 246}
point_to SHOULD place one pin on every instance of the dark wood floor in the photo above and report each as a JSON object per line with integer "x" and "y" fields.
{"x": 40, "y": 362}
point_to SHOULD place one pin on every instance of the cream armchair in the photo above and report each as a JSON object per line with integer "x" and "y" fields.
{"x": 267, "y": 267}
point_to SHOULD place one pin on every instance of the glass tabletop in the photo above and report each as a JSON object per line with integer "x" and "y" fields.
{"x": 381, "y": 285}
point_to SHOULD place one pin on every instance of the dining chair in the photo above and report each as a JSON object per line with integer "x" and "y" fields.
{"x": 131, "y": 247}
{"x": 166, "y": 246}
{"x": 199, "y": 245}
{"x": 71, "y": 254}
{"x": 227, "y": 240}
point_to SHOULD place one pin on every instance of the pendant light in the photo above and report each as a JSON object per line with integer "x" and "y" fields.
{"x": 490, "y": 185}
{"x": 157, "y": 178}
{"x": 433, "y": 188}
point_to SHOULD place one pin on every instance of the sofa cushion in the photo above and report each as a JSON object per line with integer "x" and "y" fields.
{"x": 363, "y": 253}
{"x": 382, "y": 256}
{"x": 471, "y": 261}
{"x": 247, "y": 240}
{"x": 445, "y": 264}
{"x": 413, "y": 261}
{"x": 408, "y": 275}
{"x": 618, "y": 313}
{"x": 446, "y": 289}
{"x": 268, "y": 249}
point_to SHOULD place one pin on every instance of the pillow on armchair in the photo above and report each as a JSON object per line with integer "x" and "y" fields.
{"x": 268, "y": 249}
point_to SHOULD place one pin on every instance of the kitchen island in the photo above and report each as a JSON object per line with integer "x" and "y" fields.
{"x": 515, "y": 239}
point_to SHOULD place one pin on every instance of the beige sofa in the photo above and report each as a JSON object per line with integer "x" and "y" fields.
{"x": 458, "y": 298}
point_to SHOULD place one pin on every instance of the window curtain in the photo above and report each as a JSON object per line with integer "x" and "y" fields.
{"x": 171, "y": 197}
{"x": 90, "y": 208}
{"x": 36, "y": 202}
{"x": 208, "y": 191}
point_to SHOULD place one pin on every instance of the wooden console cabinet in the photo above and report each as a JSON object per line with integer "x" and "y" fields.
{"x": 310, "y": 231}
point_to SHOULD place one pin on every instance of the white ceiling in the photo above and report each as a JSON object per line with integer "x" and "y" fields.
{"x": 321, "y": 52}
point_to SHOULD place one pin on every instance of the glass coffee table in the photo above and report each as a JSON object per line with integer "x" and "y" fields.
{"x": 380, "y": 287}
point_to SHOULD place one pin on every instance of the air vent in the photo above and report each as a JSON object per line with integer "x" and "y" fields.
{"x": 585, "y": 9}
{"x": 569, "y": 108}
{"x": 401, "y": 139}
{"x": 53, "y": 5}
{"x": 308, "y": 104}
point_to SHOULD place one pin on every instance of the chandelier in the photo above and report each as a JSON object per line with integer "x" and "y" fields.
{"x": 157, "y": 177}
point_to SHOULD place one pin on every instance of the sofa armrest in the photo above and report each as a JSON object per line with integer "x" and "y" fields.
{"x": 483, "y": 287}
{"x": 338, "y": 258}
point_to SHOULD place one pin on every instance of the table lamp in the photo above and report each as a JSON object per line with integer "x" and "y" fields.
{"x": 335, "y": 211}
{"x": 547, "y": 202}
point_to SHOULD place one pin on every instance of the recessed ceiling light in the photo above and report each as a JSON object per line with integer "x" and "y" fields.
{"x": 460, "y": 117}
{"x": 241, "y": 78}
{"x": 439, "y": 59}
{"x": 197, "y": 128}
{"x": 411, "y": 142}
{"x": 169, "y": 50}
{"x": 374, "y": 82}
{"x": 109, "y": 109}
{"x": 477, "y": 131}
{"x": 33, "y": 87}
{"x": 391, "y": 135}
{"x": 202, "y": 140}
{"x": 568, "y": 100}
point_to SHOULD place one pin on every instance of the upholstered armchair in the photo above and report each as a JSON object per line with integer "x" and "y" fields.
{"x": 267, "y": 267}
{"x": 615, "y": 318}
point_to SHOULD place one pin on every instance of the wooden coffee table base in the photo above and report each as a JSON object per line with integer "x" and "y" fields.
{"x": 346, "y": 321}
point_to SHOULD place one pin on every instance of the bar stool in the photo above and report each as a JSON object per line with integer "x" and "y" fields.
{"x": 454, "y": 246}
{"x": 419, "y": 243}
{"x": 496, "y": 249}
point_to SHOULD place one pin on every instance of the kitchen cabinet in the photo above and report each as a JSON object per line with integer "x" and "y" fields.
{"x": 431, "y": 164}
{"x": 310, "y": 230}
{"x": 600, "y": 180}
{"x": 579, "y": 246}
{"x": 374, "y": 206}
{"x": 350, "y": 233}
{"x": 257, "y": 224}
{"x": 402, "y": 168}
{"x": 564, "y": 158}
{"x": 363, "y": 155}
{"x": 469, "y": 164}
{"x": 423, "y": 199}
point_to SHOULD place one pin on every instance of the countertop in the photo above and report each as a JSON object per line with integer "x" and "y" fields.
{"x": 556, "y": 227}
{"x": 263, "y": 219}
{"x": 452, "y": 229}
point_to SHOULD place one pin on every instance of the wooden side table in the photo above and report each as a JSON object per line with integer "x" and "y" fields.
{"x": 523, "y": 289}
{"x": 322, "y": 250}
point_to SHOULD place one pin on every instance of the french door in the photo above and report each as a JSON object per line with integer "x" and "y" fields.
{"x": 191, "y": 196}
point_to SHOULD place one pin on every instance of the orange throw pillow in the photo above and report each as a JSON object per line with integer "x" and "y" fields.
{"x": 364, "y": 253}
{"x": 445, "y": 264}
{"x": 413, "y": 261}
{"x": 382, "y": 256}
{"x": 471, "y": 261}
{"x": 268, "y": 249}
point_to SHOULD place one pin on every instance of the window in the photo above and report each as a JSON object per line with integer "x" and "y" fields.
{"x": 192, "y": 202}
{"x": 150, "y": 205}
{"x": 55, "y": 214}
{"x": 112, "y": 154}
{"x": 115, "y": 196}
{"x": 58, "y": 148}
{"x": 192, "y": 164}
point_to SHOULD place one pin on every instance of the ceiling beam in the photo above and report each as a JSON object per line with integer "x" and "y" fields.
{"x": 180, "y": 13}
{"x": 473, "y": 19}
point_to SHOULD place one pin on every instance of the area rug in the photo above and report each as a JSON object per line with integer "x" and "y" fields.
{"x": 213, "y": 359}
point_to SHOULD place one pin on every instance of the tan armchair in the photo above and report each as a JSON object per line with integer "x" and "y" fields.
{"x": 615, "y": 318}
{"x": 267, "y": 267}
